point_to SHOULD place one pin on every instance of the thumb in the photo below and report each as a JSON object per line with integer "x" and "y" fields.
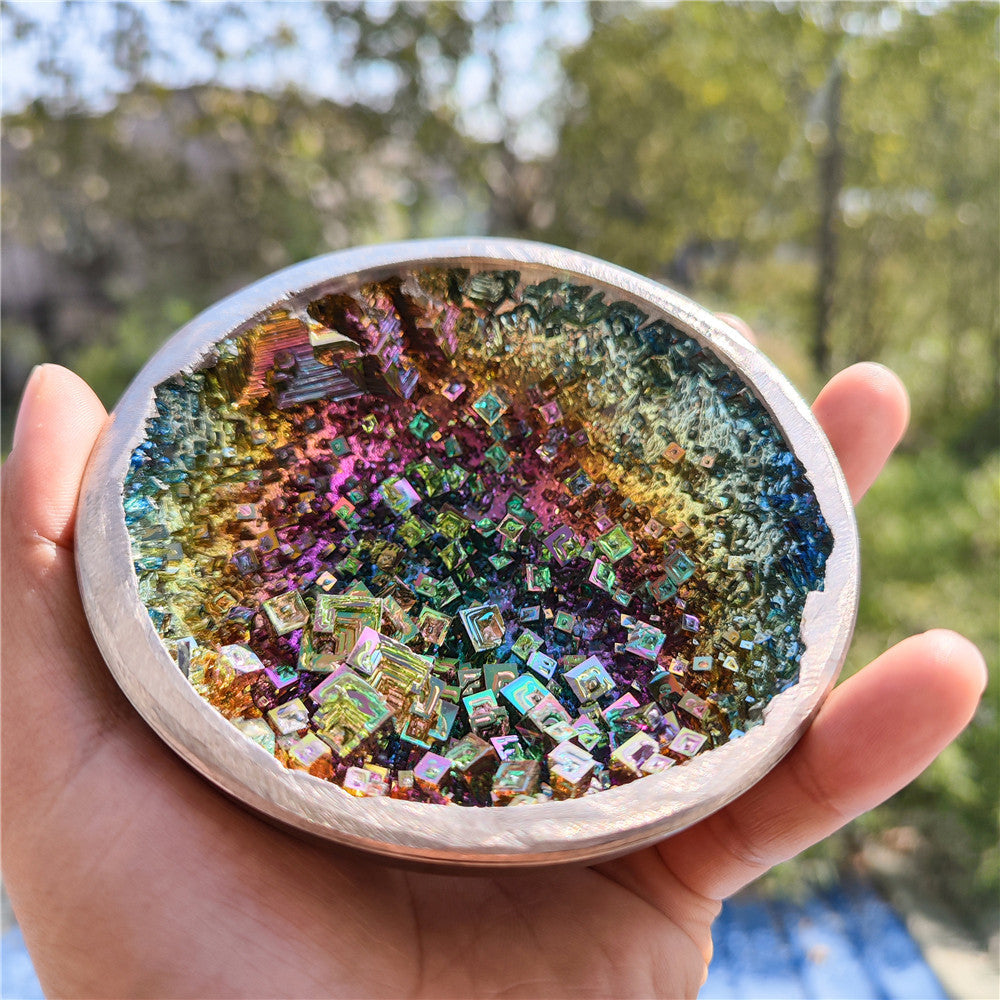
{"x": 57, "y": 425}
{"x": 53, "y": 678}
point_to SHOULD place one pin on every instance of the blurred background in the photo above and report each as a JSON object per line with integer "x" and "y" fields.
{"x": 830, "y": 172}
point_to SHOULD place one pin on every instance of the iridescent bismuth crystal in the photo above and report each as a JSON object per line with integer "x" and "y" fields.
{"x": 474, "y": 537}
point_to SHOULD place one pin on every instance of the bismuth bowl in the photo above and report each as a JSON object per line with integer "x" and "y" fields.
{"x": 471, "y": 551}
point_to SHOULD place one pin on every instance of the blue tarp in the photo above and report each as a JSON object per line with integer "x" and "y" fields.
{"x": 846, "y": 943}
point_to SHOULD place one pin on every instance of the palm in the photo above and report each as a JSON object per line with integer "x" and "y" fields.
{"x": 133, "y": 876}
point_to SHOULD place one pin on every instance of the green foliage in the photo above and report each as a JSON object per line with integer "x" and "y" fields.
{"x": 693, "y": 143}
{"x": 920, "y": 240}
{"x": 686, "y": 127}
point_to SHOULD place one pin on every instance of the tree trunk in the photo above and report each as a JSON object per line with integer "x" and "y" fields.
{"x": 830, "y": 176}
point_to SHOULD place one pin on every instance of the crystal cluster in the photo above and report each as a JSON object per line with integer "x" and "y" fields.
{"x": 463, "y": 538}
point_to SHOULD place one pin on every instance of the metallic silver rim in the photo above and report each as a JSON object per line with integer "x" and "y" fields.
{"x": 597, "y": 826}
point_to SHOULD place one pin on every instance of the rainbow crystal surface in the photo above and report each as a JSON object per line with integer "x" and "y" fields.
{"x": 459, "y": 537}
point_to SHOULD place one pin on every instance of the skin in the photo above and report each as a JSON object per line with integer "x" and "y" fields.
{"x": 132, "y": 876}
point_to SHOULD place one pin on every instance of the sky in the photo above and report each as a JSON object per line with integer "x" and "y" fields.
{"x": 527, "y": 50}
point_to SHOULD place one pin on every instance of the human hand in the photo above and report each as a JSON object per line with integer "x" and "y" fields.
{"x": 133, "y": 876}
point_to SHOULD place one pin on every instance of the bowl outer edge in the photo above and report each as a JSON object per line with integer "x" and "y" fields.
{"x": 620, "y": 818}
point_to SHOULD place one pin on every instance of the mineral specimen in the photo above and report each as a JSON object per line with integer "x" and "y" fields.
{"x": 461, "y": 537}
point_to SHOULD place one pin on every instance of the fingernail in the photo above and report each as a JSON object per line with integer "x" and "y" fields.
{"x": 26, "y": 410}
{"x": 958, "y": 646}
{"x": 977, "y": 656}
{"x": 983, "y": 665}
